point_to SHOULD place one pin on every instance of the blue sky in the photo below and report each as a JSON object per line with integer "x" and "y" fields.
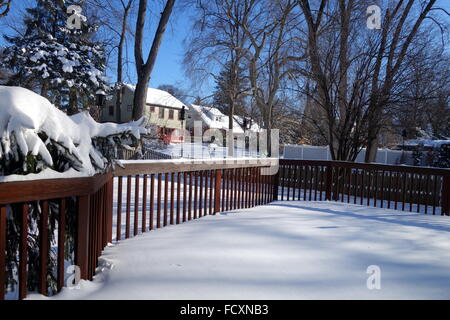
{"x": 168, "y": 67}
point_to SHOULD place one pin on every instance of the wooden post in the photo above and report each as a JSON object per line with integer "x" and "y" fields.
{"x": 275, "y": 183}
{"x": 445, "y": 196}
{"x": 82, "y": 244}
{"x": 217, "y": 191}
{"x": 2, "y": 251}
{"x": 328, "y": 183}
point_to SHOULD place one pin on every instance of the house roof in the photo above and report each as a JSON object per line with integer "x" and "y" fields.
{"x": 215, "y": 119}
{"x": 160, "y": 98}
{"x": 254, "y": 126}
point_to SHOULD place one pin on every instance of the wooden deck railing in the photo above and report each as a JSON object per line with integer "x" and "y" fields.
{"x": 197, "y": 188}
{"x": 418, "y": 189}
{"x": 92, "y": 200}
{"x": 145, "y": 195}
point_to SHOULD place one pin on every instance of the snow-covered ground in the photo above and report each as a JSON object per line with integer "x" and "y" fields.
{"x": 285, "y": 250}
{"x": 204, "y": 151}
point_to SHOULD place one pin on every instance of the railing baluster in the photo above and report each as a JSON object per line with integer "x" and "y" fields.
{"x": 127, "y": 225}
{"x": 405, "y": 177}
{"x": 389, "y": 189}
{"x": 136, "y": 205}
{"x": 411, "y": 191}
{"x": 144, "y": 205}
{"x": 217, "y": 187}
{"x": 158, "y": 202}
{"x": 382, "y": 188}
{"x": 195, "y": 193}
{"x": 23, "y": 252}
{"x": 119, "y": 210}
{"x": 166, "y": 198}
{"x": 435, "y": 194}
{"x": 427, "y": 194}
{"x": 2, "y": 251}
{"x": 239, "y": 175}
{"x": 185, "y": 188}
{"x": 418, "y": 192}
{"x": 178, "y": 196}
{"x": 375, "y": 189}
{"x": 369, "y": 182}
{"x": 190, "y": 197}
{"x": 200, "y": 198}
{"x": 152, "y": 201}
{"x": 211, "y": 188}
{"x": 172, "y": 198}
{"x": 43, "y": 248}
{"x": 61, "y": 243}
{"x": 205, "y": 206}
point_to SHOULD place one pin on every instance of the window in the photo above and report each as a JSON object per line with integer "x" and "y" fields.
{"x": 111, "y": 110}
{"x": 161, "y": 113}
{"x": 152, "y": 109}
{"x": 171, "y": 114}
{"x": 129, "y": 108}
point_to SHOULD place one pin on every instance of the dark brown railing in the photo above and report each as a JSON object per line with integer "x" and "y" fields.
{"x": 93, "y": 231}
{"x": 155, "y": 195}
{"x": 145, "y": 195}
{"x": 196, "y": 189}
{"x": 418, "y": 189}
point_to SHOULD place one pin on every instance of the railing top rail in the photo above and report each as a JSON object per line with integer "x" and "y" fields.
{"x": 135, "y": 167}
{"x": 34, "y": 190}
{"x": 368, "y": 166}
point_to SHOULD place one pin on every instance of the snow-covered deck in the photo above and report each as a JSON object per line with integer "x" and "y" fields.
{"x": 285, "y": 250}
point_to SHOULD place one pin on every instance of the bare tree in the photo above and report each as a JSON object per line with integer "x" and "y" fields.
{"x": 219, "y": 40}
{"x": 145, "y": 68}
{"x": 400, "y": 27}
{"x": 5, "y": 6}
{"x": 115, "y": 18}
{"x": 355, "y": 71}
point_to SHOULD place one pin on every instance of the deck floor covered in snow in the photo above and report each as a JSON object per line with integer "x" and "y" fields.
{"x": 285, "y": 250}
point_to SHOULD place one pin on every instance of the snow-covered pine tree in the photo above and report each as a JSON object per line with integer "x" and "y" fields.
{"x": 230, "y": 85}
{"x": 64, "y": 65}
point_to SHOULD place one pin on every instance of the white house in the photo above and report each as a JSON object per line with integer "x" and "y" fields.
{"x": 162, "y": 109}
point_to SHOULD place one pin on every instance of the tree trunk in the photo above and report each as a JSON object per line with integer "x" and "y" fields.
{"x": 144, "y": 69}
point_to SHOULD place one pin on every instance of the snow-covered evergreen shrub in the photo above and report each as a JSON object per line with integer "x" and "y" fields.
{"x": 38, "y": 141}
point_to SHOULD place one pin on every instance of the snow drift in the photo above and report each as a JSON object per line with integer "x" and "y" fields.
{"x": 31, "y": 122}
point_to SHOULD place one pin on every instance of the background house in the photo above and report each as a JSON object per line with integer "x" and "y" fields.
{"x": 162, "y": 110}
{"x": 213, "y": 118}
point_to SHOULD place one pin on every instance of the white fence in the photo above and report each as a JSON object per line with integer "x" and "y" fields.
{"x": 384, "y": 156}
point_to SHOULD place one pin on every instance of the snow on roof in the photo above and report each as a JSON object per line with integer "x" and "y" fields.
{"x": 254, "y": 126}
{"x": 160, "y": 98}
{"x": 215, "y": 119}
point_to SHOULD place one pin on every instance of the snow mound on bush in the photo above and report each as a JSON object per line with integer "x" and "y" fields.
{"x": 25, "y": 114}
